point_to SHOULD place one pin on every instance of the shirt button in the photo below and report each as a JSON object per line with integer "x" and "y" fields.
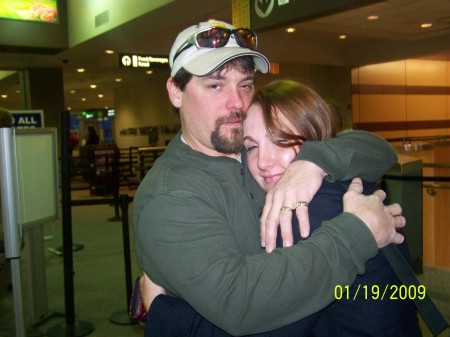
{"x": 251, "y": 195}
{"x": 242, "y": 172}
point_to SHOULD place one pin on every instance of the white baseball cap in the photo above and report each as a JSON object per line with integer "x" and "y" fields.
{"x": 200, "y": 61}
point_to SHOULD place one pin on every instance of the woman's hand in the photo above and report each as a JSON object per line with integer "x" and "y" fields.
{"x": 149, "y": 290}
{"x": 294, "y": 190}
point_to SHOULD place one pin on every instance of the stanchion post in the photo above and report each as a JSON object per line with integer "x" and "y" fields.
{"x": 124, "y": 201}
{"x": 122, "y": 316}
{"x": 70, "y": 327}
{"x": 116, "y": 185}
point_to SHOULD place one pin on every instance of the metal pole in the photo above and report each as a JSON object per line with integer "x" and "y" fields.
{"x": 70, "y": 328}
{"x": 124, "y": 201}
{"x": 122, "y": 316}
{"x": 11, "y": 226}
{"x": 115, "y": 184}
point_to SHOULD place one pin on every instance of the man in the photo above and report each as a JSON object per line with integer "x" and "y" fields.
{"x": 196, "y": 213}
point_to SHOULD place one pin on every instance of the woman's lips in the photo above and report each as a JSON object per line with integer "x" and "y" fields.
{"x": 272, "y": 178}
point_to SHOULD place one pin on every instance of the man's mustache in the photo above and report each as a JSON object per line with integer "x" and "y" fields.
{"x": 235, "y": 115}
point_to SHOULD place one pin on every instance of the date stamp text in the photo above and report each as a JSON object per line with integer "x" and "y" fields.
{"x": 375, "y": 292}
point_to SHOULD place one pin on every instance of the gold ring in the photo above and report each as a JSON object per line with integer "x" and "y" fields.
{"x": 286, "y": 208}
{"x": 301, "y": 204}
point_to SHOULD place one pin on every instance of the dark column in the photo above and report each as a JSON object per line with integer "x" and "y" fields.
{"x": 43, "y": 89}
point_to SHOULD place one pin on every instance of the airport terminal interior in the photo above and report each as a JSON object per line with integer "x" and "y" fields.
{"x": 87, "y": 79}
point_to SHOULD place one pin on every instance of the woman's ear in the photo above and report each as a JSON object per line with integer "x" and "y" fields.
{"x": 174, "y": 93}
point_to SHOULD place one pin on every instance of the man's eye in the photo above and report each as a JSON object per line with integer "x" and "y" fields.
{"x": 248, "y": 86}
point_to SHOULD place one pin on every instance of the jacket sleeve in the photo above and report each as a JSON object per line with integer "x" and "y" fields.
{"x": 192, "y": 252}
{"x": 171, "y": 316}
{"x": 355, "y": 153}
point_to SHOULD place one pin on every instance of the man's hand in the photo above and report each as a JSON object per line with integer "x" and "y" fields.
{"x": 149, "y": 290}
{"x": 300, "y": 182}
{"x": 381, "y": 220}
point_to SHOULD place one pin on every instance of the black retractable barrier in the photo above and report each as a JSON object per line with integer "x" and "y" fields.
{"x": 70, "y": 328}
{"x": 115, "y": 182}
{"x": 122, "y": 316}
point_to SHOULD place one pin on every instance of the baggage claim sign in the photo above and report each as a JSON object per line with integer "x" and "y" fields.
{"x": 142, "y": 61}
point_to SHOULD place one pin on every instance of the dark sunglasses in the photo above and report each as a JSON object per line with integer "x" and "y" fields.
{"x": 217, "y": 37}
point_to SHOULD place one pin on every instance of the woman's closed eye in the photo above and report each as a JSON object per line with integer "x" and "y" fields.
{"x": 250, "y": 148}
{"x": 282, "y": 141}
{"x": 249, "y": 145}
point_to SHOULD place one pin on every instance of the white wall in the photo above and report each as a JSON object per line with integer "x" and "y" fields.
{"x": 140, "y": 105}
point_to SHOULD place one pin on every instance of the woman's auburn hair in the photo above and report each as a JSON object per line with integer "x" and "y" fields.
{"x": 301, "y": 106}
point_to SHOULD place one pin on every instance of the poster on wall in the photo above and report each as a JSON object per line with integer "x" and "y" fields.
{"x": 28, "y": 119}
{"x": 30, "y": 10}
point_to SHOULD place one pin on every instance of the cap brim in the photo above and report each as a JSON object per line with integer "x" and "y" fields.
{"x": 208, "y": 62}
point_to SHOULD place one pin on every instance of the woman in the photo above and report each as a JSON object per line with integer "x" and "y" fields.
{"x": 92, "y": 137}
{"x": 281, "y": 117}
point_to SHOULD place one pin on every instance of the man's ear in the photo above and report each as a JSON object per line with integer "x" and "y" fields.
{"x": 174, "y": 93}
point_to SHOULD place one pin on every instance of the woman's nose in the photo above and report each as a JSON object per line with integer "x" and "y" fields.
{"x": 265, "y": 160}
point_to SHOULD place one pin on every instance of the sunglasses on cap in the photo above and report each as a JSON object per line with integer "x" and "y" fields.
{"x": 217, "y": 37}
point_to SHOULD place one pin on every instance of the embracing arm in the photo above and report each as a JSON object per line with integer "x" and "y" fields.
{"x": 352, "y": 154}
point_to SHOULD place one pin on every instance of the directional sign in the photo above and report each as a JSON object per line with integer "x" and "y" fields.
{"x": 142, "y": 61}
{"x": 28, "y": 119}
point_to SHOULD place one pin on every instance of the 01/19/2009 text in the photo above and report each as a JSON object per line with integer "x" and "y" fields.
{"x": 376, "y": 293}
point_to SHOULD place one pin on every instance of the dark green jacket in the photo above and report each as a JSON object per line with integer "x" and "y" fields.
{"x": 196, "y": 230}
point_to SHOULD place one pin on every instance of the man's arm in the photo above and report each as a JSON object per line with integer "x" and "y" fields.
{"x": 352, "y": 154}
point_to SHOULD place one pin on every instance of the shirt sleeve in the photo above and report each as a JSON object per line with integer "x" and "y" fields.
{"x": 352, "y": 154}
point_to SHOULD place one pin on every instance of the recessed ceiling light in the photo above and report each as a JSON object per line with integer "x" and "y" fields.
{"x": 290, "y": 30}
{"x": 426, "y": 25}
{"x": 342, "y": 37}
{"x": 149, "y": 72}
{"x": 81, "y": 70}
{"x": 4, "y": 96}
{"x": 93, "y": 86}
{"x": 17, "y": 91}
{"x": 72, "y": 91}
{"x": 69, "y": 108}
{"x": 118, "y": 80}
{"x": 109, "y": 51}
{"x": 100, "y": 95}
{"x": 372, "y": 17}
{"x": 83, "y": 99}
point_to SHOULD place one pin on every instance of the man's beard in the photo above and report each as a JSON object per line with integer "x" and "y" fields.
{"x": 228, "y": 144}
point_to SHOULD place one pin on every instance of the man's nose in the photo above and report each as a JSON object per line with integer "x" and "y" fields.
{"x": 236, "y": 101}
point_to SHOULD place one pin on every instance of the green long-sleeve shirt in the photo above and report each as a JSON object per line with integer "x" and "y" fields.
{"x": 196, "y": 229}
